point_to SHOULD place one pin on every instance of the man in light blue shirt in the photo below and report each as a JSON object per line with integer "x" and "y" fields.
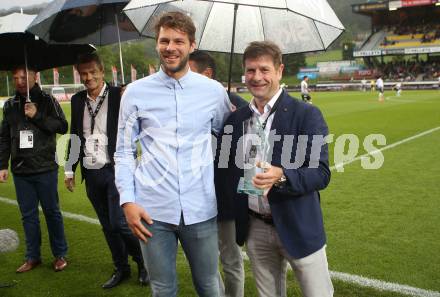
{"x": 168, "y": 192}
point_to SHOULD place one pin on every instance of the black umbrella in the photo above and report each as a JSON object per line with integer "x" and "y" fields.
{"x": 98, "y": 22}
{"x": 16, "y": 48}
{"x": 21, "y": 48}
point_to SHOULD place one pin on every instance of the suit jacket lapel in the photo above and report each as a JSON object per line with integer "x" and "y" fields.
{"x": 111, "y": 116}
{"x": 283, "y": 112}
{"x": 281, "y": 122}
{"x": 242, "y": 116}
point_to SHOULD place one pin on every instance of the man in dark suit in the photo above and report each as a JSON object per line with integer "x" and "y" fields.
{"x": 230, "y": 253}
{"x": 284, "y": 223}
{"x": 94, "y": 121}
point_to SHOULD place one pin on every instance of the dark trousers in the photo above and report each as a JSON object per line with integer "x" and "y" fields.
{"x": 32, "y": 190}
{"x": 102, "y": 193}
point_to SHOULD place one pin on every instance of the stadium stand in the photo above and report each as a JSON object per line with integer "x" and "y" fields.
{"x": 410, "y": 70}
{"x": 407, "y": 36}
{"x": 406, "y": 31}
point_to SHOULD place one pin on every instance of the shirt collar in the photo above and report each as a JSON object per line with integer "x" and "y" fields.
{"x": 269, "y": 105}
{"x": 171, "y": 82}
{"x": 100, "y": 93}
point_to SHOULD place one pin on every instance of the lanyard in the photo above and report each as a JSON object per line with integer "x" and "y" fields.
{"x": 98, "y": 107}
{"x": 272, "y": 111}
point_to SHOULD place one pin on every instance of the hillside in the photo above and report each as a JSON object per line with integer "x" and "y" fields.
{"x": 354, "y": 23}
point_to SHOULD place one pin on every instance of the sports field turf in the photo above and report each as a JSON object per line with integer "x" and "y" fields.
{"x": 382, "y": 224}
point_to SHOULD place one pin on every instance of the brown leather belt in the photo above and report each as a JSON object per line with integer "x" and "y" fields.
{"x": 264, "y": 217}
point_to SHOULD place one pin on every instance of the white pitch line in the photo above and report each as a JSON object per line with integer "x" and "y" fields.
{"x": 383, "y": 286}
{"x": 66, "y": 214}
{"x": 345, "y": 277}
{"x": 339, "y": 165}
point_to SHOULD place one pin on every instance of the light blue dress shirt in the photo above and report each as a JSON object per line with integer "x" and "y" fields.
{"x": 172, "y": 121}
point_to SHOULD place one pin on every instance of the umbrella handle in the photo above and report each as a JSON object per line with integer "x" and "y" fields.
{"x": 232, "y": 49}
{"x": 120, "y": 48}
{"x": 27, "y": 74}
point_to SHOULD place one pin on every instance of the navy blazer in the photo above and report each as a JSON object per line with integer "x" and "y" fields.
{"x": 296, "y": 208}
{"x": 78, "y": 103}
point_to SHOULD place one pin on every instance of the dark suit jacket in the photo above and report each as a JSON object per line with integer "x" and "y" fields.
{"x": 78, "y": 104}
{"x": 237, "y": 100}
{"x": 295, "y": 208}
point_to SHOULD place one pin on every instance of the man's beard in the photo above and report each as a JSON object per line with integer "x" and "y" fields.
{"x": 177, "y": 68}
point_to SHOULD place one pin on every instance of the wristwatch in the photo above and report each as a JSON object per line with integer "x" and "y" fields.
{"x": 280, "y": 181}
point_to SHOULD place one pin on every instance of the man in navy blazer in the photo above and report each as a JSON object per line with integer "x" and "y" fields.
{"x": 284, "y": 224}
{"x": 94, "y": 123}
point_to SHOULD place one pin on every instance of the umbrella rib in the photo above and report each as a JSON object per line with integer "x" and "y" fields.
{"x": 319, "y": 34}
{"x": 206, "y": 21}
{"x": 147, "y": 5}
{"x": 303, "y": 15}
{"x": 334, "y": 40}
{"x": 342, "y": 29}
{"x": 251, "y": 5}
{"x": 154, "y": 13}
{"x": 262, "y": 24}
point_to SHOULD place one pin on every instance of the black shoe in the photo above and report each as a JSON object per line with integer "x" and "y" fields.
{"x": 144, "y": 279}
{"x": 117, "y": 277}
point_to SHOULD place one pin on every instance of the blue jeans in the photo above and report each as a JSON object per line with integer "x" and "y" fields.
{"x": 32, "y": 190}
{"x": 200, "y": 244}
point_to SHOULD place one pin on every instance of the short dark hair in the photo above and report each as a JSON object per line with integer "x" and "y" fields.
{"x": 178, "y": 21}
{"x": 89, "y": 57}
{"x": 305, "y": 76}
{"x": 257, "y": 49}
{"x": 203, "y": 61}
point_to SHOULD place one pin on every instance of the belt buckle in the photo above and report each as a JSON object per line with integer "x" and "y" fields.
{"x": 267, "y": 219}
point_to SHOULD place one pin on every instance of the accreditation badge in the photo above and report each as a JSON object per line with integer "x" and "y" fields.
{"x": 26, "y": 139}
{"x": 92, "y": 144}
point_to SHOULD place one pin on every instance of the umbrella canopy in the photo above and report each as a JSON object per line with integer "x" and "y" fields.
{"x": 99, "y": 22}
{"x": 20, "y": 48}
{"x": 296, "y": 26}
{"x": 83, "y": 22}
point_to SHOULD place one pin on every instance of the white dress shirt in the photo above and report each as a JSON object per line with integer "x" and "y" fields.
{"x": 260, "y": 203}
{"x": 95, "y": 149}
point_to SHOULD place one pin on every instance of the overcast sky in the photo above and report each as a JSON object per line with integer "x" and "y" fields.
{"x": 6, "y": 4}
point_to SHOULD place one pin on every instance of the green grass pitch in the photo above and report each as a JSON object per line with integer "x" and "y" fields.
{"x": 381, "y": 224}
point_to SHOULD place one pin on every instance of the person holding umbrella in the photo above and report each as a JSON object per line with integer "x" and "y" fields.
{"x": 168, "y": 192}
{"x": 94, "y": 120}
{"x": 230, "y": 252}
{"x": 28, "y": 137}
{"x": 284, "y": 223}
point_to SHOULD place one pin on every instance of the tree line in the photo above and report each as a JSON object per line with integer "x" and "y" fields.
{"x": 141, "y": 54}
